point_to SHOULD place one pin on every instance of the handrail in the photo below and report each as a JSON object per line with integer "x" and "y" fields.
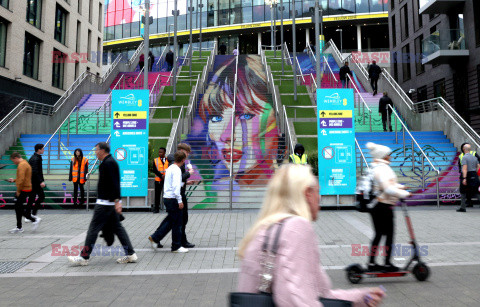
{"x": 358, "y": 92}
{"x": 138, "y": 76}
{"x": 300, "y": 69}
{"x": 330, "y": 69}
{"x": 287, "y": 129}
{"x": 14, "y": 118}
{"x": 406, "y": 100}
{"x": 137, "y": 52}
{"x": 96, "y": 160}
{"x": 153, "y": 92}
{"x": 363, "y": 157}
{"x": 192, "y": 105}
{"x": 68, "y": 92}
{"x": 175, "y": 131}
{"x": 287, "y": 54}
{"x": 162, "y": 54}
{"x": 109, "y": 95}
{"x": 232, "y": 136}
{"x": 112, "y": 67}
{"x": 60, "y": 126}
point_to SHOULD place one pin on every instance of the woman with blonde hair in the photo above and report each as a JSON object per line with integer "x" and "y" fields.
{"x": 298, "y": 279}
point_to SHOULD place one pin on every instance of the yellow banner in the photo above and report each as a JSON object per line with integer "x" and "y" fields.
{"x": 335, "y": 113}
{"x": 130, "y": 115}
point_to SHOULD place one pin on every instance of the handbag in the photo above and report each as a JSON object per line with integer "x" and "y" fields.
{"x": 264, "y": 297}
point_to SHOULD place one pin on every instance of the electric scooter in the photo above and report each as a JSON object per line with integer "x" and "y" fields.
{"x": 355, "y": 272}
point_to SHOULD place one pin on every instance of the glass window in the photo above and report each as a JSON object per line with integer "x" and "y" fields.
{"x": 136, "y": 28}
{"x": 362, "y": 6}
{"x": 258, "y": 13}
{"x": 348, "y": 6}
{"x": 406, "y": 63}
{"x": 418, "y": 55}
{"x": 58, "y": 69}
{"x": 404, "y": 22}
{"x": 118, "y": 31}
{"x": 109, "y": 33}
{"x": 3, "y": 42}
{"x": 308, "y": 8}
{"x": 392, "y": 4}
{"x": 247, "y": 14}
{"x": 223, "y": 17}
{"x": 60, "y": 24}
{"x": 394, "y": 31}
{"x": 126, "y": 30}
{"x": 476, "y": 15}
{"x": 31, "y": 56}
{"x": 422, "y": 93}
{"x": 4, "y": 3}
{"x": 89, "y": 45}
{"x": 100, "y": 13}
{"x": 439, "y": 88}
{"x": 79, "y": 7}
{"x": 376, "y": 6}
{"x": 34, "y": 12}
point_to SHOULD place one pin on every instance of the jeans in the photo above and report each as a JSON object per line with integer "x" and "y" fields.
{"x": 158, "y": 193}
{"x": 76, "y": 185}
{"x": 19, "y": 212}
{"x": 344, "y": 83}
{"x": 382, "y": 216}
{"x": 374, "y": 84}
{"x": 169, "y": 67}
{"x": 387, "y": 117}
{"x": 102, "y": 215}
{"x": 172, "y": 222}
{"x": 184, "y": 218}
{"x": 36, "y": 190}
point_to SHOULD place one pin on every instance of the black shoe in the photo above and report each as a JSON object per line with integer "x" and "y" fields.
{"x": 159, "y": 245}
{"x": 374, "y": 267}
{"x": 469, "y": 206}
{"x": 156, "y": 211}
{"x": 188, "y": 245}
{"x": 391, "y": 268}
{"x": 461, "y": 210}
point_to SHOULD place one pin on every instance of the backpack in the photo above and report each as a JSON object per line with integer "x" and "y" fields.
{"x": 365, "y": 196}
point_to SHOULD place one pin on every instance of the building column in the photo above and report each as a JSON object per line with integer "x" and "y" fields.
{"x": 307, "y": 36}
{"x": 109, "y": 57}
{"x": 215, "y": 39}
{"x": 259, "y": 36}
{"x": 359, "y": 37}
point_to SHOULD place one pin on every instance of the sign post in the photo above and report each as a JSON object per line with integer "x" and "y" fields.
{"x": 129, "y": 141}
{"x": 336, "y": 141}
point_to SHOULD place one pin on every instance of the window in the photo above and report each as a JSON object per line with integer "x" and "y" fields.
{"x": 394, "y": 32}
{"x": 34, "y": 12}
{"x": 79, "y": 8}
{"x": 395, "y": 67}
{"x": 99, "y": 51}
{"x": 3, "y": 41}
{"x": 418, "y": 17}
{"x": 476, "y": 14}
{"x": 79, "y": 36}
{"x": 439, "y": 88}
{"x": 90, "y": 5}
{"x": 89, "y": 45}
{"x": 100, "y": 14}
{"x": 31, "y": 56}
{"x": 392, "y": 5}
{"x": 4, "y": 3}
{"x": 77, "y": 69}
{"x": 422, "y": 93}
{"x": 418, "y": 55}
{"x": 404, "y": 22}
{"x": 60, "y": 24}
{"x": 406, "y": 63}
{"x": 58, "y": 69}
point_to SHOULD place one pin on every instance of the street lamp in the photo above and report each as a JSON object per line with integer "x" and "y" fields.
{"x": 318, "y": 33}
{"x": 341, "y": 41}
{"x": 281, "y": 9}
{"x": 273, "y": 6}
{"x": 168, "y": 39}
{"x": 190, "y": 9}
{"x": 200, "y": 37}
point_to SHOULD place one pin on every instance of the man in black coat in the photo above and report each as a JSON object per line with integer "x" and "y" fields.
{"x": 343, "y": 75}
{"x": 223, "y": 49}
{"x": 169, "y": 60}
{"x": 385, "y": 111}
{"x": 38, "y": 182}
{"x": 374, "y": 72}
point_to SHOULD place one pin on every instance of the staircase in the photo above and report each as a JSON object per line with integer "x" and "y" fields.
{"x": 255, "y": 140}
{"x": 131, "y": 76}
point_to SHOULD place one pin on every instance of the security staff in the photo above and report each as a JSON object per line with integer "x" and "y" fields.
{"x": 299, "y": 156}
{"x": 159, "y": 168}
{"x": 78, "y": 175}
{"x": 464, "y": 192}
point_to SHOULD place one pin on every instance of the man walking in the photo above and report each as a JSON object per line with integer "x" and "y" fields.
{"x": 24, "y": 190}
{"x": 223, "y": 49}
{"x": 374, "y": 72}
{"x": 169, "y": 60}
{"x": 108, "y": 205}
{"x": 160, "y": 165}
{"x": 173, "y": 202}
{"x": 384, "y": 109}
{"x": 469, "y": 181}
{"x": 187, "y": 170}
{"x": 343, "y": 75}
{"x": 38, "y": 182}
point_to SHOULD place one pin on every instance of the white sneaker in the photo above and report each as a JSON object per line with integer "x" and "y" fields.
{"x": 16, "y": 230}
{"x": 35, "y": 216}
{"x": 128, "y": 259}
{"x": 27, "y": 220}
{"x": 152, "y": 243}
{"x": 77, "y": 260}
{"x": 36, "y": 224}
{"x": 181, "y": 250}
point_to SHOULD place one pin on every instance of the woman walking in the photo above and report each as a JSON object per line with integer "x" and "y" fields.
{"x": 78, "y": 174}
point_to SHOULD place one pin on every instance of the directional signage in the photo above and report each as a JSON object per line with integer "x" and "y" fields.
{"x": 336, "y": 141}
{"x": 129, "y": 141}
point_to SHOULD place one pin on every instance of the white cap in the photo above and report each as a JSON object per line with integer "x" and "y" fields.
{"x": 378, "y": 151}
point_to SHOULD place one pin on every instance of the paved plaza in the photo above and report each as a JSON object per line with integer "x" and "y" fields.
{"x": 205, "y": 275}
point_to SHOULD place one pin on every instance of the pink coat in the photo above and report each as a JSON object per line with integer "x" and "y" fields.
{"x": 298, "y": 277}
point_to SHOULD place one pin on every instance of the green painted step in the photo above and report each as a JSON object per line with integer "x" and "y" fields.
{"x": 287, "y": 88}
{"x": 181, "y": 88}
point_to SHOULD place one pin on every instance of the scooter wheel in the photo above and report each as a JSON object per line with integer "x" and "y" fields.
{"x": 421, "y": 271}
{"x": 354, "y": 274}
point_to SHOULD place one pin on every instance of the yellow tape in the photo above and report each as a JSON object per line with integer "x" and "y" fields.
{"x": 335, "y": 113}
{"x": 130, "y": 115}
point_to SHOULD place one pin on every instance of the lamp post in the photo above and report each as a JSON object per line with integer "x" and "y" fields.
{"x": 200, "y": 6}
{"x": 281, "y": 9}
{"x": 294, "y": 50}
{"x": 190, "y": 9}
{"x": 273, "y": 6}
{"x": 175, "y": 13}
{"x": 318, "y": 32}
{"x": 341, "y": 40}
{"x": 146, "y": 43}
{"x": 168, "y": 38}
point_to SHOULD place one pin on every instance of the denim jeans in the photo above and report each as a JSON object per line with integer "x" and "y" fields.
{"x": 172, "y": 222}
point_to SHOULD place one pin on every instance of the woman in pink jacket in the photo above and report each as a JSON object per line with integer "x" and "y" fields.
{"x": 298, "y": 277}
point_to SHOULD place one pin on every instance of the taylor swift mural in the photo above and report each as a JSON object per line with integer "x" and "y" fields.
{"x": 256, "y": 151}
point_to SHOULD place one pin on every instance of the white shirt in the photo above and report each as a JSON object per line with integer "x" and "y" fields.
{"x": 173, "y": 182}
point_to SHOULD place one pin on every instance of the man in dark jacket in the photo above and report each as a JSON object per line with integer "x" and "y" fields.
{"x": 187, "y": 170}
{"x": 464, "y": 193}
{"x": 107, "y": 209}
{"x": 223, "y": 49}
{"x": 385, "y": 111}
{"x": 343, "y": 75}
{"x": 38, "y": 183}
{"x": 374, "y": 72}
{"x": 299, "y": 156}
{"x": 169, "y": 60}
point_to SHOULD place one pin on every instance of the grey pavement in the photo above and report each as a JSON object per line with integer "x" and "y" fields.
{"x": 205, "y": 275}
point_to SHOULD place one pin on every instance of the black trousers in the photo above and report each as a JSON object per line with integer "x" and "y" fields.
{"x": 76, "y": 185}
{"x": 374, "y": 84}
{"x": 184, "y": 218}
{"x": 102, "y": 215}
{"x": 36, "y": 190}
{"x": 387, "y": 117}
{"x": 19, "y": 212}
{"x": 158, "y": 194}
{"x": 382, "y": 217}
{"x": 173, "y": 222}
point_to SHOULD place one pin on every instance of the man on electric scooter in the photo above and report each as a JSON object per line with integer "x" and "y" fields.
{"x": 388, "y": 192}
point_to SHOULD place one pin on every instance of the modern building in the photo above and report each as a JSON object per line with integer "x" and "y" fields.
{"x": 436, "y": 47}
{"x": 45, "y": 45}
{"x": 363, "y": 23}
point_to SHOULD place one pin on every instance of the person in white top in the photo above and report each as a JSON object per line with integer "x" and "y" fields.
{"x": 173, "y": 202}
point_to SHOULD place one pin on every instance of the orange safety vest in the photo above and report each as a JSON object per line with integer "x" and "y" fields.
{"x": 83, "y": 171}
{"x": 160, "y": 167}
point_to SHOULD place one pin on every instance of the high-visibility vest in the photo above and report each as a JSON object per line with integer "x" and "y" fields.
{"x": 297, "y": 160}
{"x": 473, "y": 153}
{"x": 83, "y": 171}
{"x": 160, "y": 167}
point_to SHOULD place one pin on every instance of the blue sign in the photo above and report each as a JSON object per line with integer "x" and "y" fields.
{"x": 336, "y": 141}
{"x": 129, "y": 140}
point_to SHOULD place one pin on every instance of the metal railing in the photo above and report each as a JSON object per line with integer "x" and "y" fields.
{"x": 193, "y": 101}
{"x": 91, "y": 171}
{"x": 155, "y": 91}
{"x": 232, "y": 137}
{"x": 161, "y": 59}
{"x": 112, "y": 68}
{"x": 329, "y": 73}
{"x": 362, "y": 157}
{"x": 360, "y": 103}
{"x": 140, "y": 86}
{"x": 423, "y": 156}
{"x": 31, "y": 106}
{"x": 177, "y": 131}
{"x": 403, "y": 96}
{"x": 287, "y": 131}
